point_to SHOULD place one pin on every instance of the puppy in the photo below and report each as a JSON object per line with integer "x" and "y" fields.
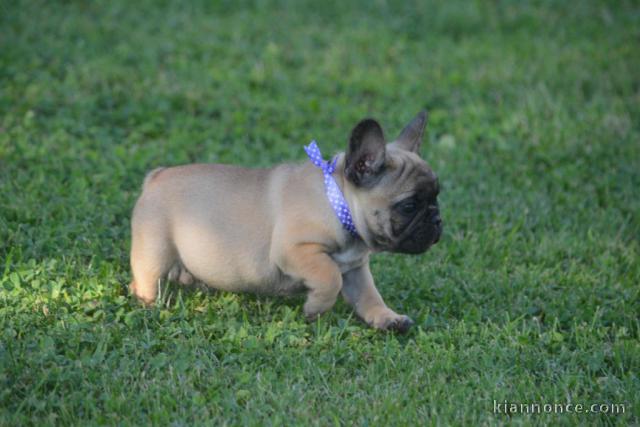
{"x": 293, "y": 227}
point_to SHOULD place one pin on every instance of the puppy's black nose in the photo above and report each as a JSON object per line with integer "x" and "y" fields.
{"x": 437, "y": 225}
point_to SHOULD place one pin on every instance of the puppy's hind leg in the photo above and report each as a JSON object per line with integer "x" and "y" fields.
{"x": 179, "y": 273}
{"x": 152, "y": 255}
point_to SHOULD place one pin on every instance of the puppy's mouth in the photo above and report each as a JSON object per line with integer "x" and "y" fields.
{"x": 420, "y": 235}
{"x": 414, "y": 246}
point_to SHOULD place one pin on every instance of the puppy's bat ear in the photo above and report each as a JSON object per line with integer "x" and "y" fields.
{"x": 410, "y": 138}
{"x": 365, "y": 156}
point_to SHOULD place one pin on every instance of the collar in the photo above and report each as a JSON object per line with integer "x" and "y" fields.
{"x": 334, "y": 194}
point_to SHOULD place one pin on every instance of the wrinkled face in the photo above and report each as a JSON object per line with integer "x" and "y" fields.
{"x": 394, "y": 191}
{"x": 400, "y": 213}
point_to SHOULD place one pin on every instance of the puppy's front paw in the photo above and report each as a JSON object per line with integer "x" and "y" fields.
{"x": 400, "y": 324}
{"x": 390, "y": 321}
{"x": 310, "y": 318}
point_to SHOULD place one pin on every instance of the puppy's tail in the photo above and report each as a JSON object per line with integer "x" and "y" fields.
{"x": 151, "y": 176}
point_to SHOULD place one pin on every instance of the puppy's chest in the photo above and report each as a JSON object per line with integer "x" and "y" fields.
{"x": 350, "y": 257}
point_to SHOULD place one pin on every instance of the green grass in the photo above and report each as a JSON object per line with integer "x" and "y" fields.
{"x": 532, "y": 295}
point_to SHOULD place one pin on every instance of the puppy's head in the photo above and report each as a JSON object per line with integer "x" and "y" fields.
{"x": 394, "y": 191}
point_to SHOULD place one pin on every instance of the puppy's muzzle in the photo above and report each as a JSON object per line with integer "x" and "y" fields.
{"x": 437, "y": 224}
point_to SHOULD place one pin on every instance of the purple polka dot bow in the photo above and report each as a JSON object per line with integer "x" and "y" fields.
{"x": 337, "y": 200}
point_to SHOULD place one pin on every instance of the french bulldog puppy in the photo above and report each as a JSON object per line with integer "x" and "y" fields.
{"x": 279, "y": 231}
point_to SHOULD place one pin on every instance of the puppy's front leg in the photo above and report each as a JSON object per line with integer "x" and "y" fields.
{"x": 320, "y": 273}
{"x": 359, "y": 290}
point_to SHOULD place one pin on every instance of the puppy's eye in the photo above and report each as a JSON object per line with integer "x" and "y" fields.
{"x": 408, "y": 207}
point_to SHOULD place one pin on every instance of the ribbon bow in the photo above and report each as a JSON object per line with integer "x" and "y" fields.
{"x": 335, "y": 196}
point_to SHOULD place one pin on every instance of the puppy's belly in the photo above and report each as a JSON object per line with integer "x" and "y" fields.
{"x": 227, "y": 262}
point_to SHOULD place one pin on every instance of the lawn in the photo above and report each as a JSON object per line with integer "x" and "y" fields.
{"x": 531, "y": 296}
